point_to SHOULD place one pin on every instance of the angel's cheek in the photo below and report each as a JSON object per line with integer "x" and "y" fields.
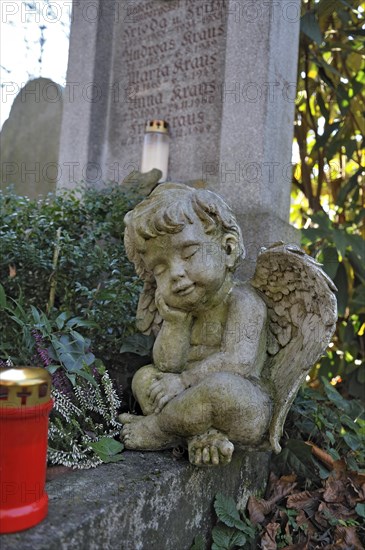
{"x": 162, "y": 285}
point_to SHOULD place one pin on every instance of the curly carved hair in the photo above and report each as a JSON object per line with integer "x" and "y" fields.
{"x": 167, "y": 210}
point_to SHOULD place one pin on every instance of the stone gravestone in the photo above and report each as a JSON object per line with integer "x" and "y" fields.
{"x": 221, "y": 72}
{"x": 30, "y": 139}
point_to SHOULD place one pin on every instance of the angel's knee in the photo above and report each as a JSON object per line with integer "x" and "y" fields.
{"x": 141, "y": 384}
{"x": 240, "y": 407}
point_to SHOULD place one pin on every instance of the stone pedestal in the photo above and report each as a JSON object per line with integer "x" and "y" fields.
{"x": 149, "y": 500}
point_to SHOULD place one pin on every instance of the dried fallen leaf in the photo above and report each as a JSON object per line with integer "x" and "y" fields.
{"x": 305, "y": 500}
{"x": 335, "y": 490}
{"x": 281, "y": 487}
{"x": 268, "y": 540}
{"x": 257, "y": 509}
{"x": 349, "y": 536}
{"x": 304, "y": 522}
{"x": 321, "y": 455}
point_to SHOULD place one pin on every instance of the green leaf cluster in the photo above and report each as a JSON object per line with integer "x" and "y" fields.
{"x": 334, "y": 424}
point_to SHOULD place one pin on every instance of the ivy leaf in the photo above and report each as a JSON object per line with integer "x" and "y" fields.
{"x": 108, "y": 449}
{"x": 357, "y": 244}
{"x": 78, "y": 322}
{"x": 52, "y": 368}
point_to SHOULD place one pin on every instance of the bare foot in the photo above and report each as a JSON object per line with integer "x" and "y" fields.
{"x": 210, "y": 449}
{"x": 143, "y": 433}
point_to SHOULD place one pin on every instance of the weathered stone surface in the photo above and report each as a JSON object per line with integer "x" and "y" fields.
{"x": 147, "y": 501}
{"x": 30, "y": 139}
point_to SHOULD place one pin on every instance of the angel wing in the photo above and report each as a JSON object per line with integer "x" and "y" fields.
{"x": 302, "y": 311}
{"x": 148, "y": 319}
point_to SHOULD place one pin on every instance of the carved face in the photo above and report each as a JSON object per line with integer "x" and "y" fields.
{"x": 190, "y": 267}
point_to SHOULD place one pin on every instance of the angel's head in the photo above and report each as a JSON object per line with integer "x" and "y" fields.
{"x": 183, "y": 239}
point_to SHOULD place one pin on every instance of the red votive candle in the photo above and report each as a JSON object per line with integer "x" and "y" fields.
{"x": 25, "y": 403}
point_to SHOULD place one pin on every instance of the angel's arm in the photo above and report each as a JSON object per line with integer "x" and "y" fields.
{"x": 172, "y": 345}
{"x": 243, "y": 350}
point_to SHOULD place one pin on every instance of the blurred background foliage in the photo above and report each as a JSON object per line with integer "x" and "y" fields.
{"x": 328, "y": 181}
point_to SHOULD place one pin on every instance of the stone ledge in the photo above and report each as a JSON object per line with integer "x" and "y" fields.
{"x": 149, "y": 501}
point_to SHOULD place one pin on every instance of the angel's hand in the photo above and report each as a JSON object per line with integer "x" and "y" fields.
{"x": 164, "y": 388}
{"x": 170, "y": 314}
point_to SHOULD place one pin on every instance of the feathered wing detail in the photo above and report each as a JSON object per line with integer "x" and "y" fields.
{"x": 148, "y": 319}
{"x": 302, "y": 312}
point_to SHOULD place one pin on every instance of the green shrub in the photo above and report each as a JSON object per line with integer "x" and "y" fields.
{"x": 64, "y": 254}
{"x": 68, "y": 297}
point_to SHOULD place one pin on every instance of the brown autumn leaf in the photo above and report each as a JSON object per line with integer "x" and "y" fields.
{"x": 335, "y": 490}
{"x": 257, "y": 509}
{"x": 356, "y": 488}
{"x": 268, "y": 540}
{"x": 279, "y": 488}
{"x": 344, "y": 485}
{"x": 305, "y": 500}
{"x": 304, "y": 522}
{"x": 338, "y": 545}
{"x": 349, "y": 536}
{"x": 339, "y": 467}
{"x": 320, "y": 519}
{"x": 340, "y": 511}
{"x": 321, "y": 455}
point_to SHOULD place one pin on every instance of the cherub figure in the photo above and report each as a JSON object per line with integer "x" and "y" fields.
{"x": 218, "y": 367}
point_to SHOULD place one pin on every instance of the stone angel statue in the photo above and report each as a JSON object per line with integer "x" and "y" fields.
{"x": 229, "y": 357}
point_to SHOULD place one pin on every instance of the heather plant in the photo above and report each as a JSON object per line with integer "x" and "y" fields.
{"x": 83, "y": 421}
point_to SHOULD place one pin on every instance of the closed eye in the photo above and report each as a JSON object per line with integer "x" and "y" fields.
{"x": 189, "y": 251}
{"x": 158, "y": 269}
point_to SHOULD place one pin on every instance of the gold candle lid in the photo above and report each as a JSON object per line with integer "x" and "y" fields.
{"x": 24, "y": 387}
{"x": 160, "y": 126}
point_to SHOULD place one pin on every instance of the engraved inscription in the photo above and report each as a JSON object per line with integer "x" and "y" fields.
{"x": 172, "y": 56}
